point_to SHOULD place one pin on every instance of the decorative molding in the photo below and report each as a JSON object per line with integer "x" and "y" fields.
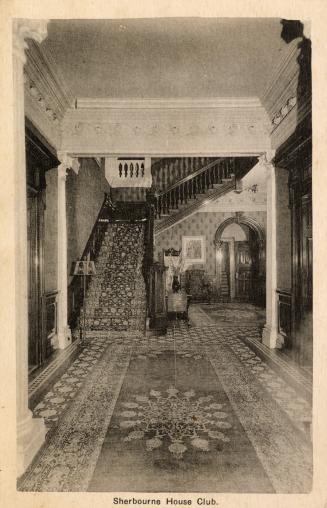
{"x": 40, "y": 99}
{"x": 46, "y": 96}
{"x": 67, "y": 162}
{"x": 284, "y": 111}
{"x": 287, "y": 69}
{"x": 34, "y": 29}
{"x": 177, "y": 103}
{"x": 266, "y": 159}
{"x": 240, "y": 218}
{"x": 45, "y": 83}
{"x": 289, "y": 123}
{"x": 111, "y": 132}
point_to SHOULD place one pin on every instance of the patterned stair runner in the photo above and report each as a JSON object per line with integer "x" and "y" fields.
{"x": 116, "y": 297}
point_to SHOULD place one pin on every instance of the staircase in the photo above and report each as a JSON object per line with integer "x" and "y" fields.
{"x": 116, "y": 298}
{"x": 186, "y": 195}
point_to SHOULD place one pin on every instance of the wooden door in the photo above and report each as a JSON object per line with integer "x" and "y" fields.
{"x": 35, "y": 236}
{"x": 243, "y": 265}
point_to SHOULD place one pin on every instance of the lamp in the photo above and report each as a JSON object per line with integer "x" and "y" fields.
{"x": 84, "y": 268}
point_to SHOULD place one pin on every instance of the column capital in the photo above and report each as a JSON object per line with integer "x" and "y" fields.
{"x": 28, "y": 29}
{"x": 218, "y": 243}
{"x": 68, "y": 162}
{"x": 267, "y": 157}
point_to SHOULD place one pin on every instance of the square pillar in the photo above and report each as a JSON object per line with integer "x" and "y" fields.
{"x": 30, "y": 431}
{"x": 270, "y": 331}
{"x": 64, "y": 332}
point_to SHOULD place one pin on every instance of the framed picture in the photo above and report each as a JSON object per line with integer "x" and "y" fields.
{"x": 193, "y": 249}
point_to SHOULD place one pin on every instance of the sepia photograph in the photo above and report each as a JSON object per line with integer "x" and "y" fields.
{"x": 164, "y": 256}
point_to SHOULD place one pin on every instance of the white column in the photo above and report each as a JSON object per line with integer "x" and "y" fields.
{"x": 270, "y": 331}
{"x": 30, "y": 431}
{"x": 64, "y": 332}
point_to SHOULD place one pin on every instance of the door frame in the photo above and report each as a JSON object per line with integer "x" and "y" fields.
{"x": 240, "y": 219}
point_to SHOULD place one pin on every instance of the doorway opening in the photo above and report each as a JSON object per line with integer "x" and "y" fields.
{"x": 240, "y": 261}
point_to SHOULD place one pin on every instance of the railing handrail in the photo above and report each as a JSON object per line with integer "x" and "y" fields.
{"x": 106, "y": 203}
{"x": 190, "y": 176}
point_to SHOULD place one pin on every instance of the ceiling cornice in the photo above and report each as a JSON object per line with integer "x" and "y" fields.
{"x": 44, "y": 76}
{"x": 172, "y": 103}
{"x": 283, "y": 82}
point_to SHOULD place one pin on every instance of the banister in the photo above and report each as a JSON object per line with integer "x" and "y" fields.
{"x": 92, "y": 247}
{"x": 107, "y": 203}
{"x": 190, "y": 177}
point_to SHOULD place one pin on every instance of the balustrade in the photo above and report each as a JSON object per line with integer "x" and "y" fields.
{"x": 91, "y": 251}
{"x": 200, "y": 181}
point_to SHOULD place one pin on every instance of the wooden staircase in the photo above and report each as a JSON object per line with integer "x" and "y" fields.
{"x": 188, "y": 194}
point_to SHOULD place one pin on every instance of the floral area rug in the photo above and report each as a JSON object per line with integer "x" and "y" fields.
{"x": 195, "y": 410}
{"x": 235, "y": 313}
{"x": 75, "y": 433}
{"x": 174, "y": 429}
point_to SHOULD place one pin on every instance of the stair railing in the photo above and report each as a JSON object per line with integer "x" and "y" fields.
{"x": 198, "y": 182}
{"x": 91, "y": 252}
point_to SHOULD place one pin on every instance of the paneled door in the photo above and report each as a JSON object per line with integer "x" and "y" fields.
{"x": 35, "y": 235}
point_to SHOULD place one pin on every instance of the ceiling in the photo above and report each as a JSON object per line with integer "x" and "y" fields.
{"x": 166, "y": 57}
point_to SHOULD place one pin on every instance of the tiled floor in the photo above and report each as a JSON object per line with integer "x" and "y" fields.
{"x": 100, "y": 433}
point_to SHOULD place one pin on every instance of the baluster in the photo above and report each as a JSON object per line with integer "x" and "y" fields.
{"x": 125, "y": 170}
{"x": 168, "y": 202}
{"x": 206, "y": 181}
{"x": 164, "y": 203}
{"x": 137, "y": 169}
{"x": 184, "y": 167}
{"x": 155, "y": 206}
{"x": 231, "y": 167}
{"x": 197, "y": 185}
{"x": 177, "y": 173}
{"x": 177, "y": 196}
{"x": 120, "y": 170}
{"x": 219, "y": 173}
{"x": 172, "y": 199}
{"x": 185, "y": 193}
{"x": 131, "y": 169}
{"x": 190, "y": 188}
{"x": 227, "y": 168}
{"x": 179, "y": 169}
{"x": 180, "y": 193}
{"x": 216, "y": 173}
{"x": 162, "y": 176}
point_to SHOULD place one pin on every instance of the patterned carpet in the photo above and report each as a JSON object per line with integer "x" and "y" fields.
{"x": 130, "y": 415}
{"x": 242, "y": 313}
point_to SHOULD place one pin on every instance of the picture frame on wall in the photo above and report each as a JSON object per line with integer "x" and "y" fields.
{"x": 193, "y": 248}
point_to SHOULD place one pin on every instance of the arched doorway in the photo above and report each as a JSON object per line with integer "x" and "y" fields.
{"x": 240, "y": 261}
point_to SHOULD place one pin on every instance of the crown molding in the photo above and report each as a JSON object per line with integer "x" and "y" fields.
{"x": 171, "y": 103}
{"x": 43, "y": 76}
{"x": 287, "y": 66}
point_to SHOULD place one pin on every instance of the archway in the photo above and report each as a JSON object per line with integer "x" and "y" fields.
{"x": 240, "y": 260}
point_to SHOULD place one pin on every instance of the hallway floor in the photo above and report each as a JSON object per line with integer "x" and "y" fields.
{"x": 195, "y": 410}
